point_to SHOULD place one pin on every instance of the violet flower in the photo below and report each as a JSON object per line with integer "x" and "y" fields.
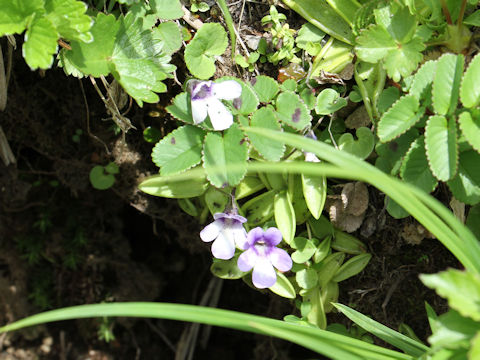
{"x": 205, "y": 100}
{"x": 225, "y": 232}
{"x": 262, "y": 255}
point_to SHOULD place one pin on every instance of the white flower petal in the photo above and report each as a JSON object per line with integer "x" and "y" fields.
{"x": 239, "y": 235}
{"x": 263, "y": 275}
{"x": 223, "y": 248}
{"x": 227, "y": 90}
{"x": 211, "y": 231}
{"x": 280, "y": 259}
{"x": 199, "y": 111}
{"x": 219, "y": 115}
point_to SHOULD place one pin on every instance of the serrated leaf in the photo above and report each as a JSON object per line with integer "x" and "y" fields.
{"x": 415, "y": 169}
{"x": 170, "y": 35}
{"x": 247, "y": 102}
{"x": 69, "y": 18}
{"x": 181, "y": 108}
{"x": 404, "y": 59}
{"x": 399, "y": 118}
{"x": 40, "y": 44}
{"x": 210, "y": 40}
{"x": 167, "y": 9}
{"x": 16, "y": 14}
{"x": 285, "y": 215}
{"x": 265, "y": 87}
{"x": 225, "y": 157}
{"x": 446, "y": 83}
{"x": 179, "y": 150}
{"x": 387, "y": 98}
{"x": 362, "y": 147}
{"x": 270, "y": 150}
{"x": 423, "y": 78}
{"x": 192, "y": 185}
{"x": 292, "y": 111}
{"x": 465, "y": 186}
{"x": 374, "y": 43}
{"x": 460, "y": 288}
{"x": 470, "y": 89}
{"x": 441, "y": 146}
{"x": 329, "y": 101}
{"x": 67, "y": 65}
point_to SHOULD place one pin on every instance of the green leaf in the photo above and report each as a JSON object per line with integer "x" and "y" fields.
{"x": 415, "y": 168}
{"x": 374, "y": 43}
{"x": 216, "y": 200}
{"x": 152, "y": 134}
{"x": 226, "y": 269}
{"x": 225, "y": 157}
{"x": 306, "y": 278}
{"x": 473, "y": 220}
{"x": 441, "y": 146}
{"x": 99, "y": 179}
{"x": 285, "y": 215}
{"x": 404, "y": 59}
{"x": 112, "y": 168}
{"x": 362, "y": 147}
{"x": 40, "y": 44}
{"x": 470, "y": 89}
{"x": 302, "y": 213}
{"x": 259, "y": 209}
{"x": 392, "y": 337}
{"x": 69, "y": 18}
{"x": 315, "y": 193}
{"x": 210, "y": 40}
{"x": 402, "y": 25}
{"x": 352, "y": 267}
{"x": 180, "y": 150}
{"x": 446, "y": 83}
{"x": 270, "y": 150}
{"x": 466, "y": 185}
{"x": 181, "y": 108}
{"x": 387, "y": 98}
{"x": 167, "y": 9}
{"x": 309, "y": 38}
{"x": 470, "y": 127}
{"x": 170, "y": 34}
{"x": 265, "y": 87}
{"x": 304, "y": 249}
{"x": 190, "y": 184}
{"x": 16, "y": 14}
{"x": 390, "y": 154}
{"x": 248, "y": 186}
{"x": 292, "y": 111}
{"x": 329, "y": 101}
{"x": 455, "y": 332}
{"x": 460, "y": 288}
{"x": 423, "y": 78}
{"x": 283, "y": 287}
{"x": 399, "y": 118}
{"x": 473, "y": 19}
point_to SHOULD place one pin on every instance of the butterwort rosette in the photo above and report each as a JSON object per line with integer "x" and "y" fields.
{"x": 226, "y": 232}
{"x": 205, "y": 100}
{"x": 261, "y": 254}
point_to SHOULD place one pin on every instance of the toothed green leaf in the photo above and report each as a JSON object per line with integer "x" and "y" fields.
{"x": 470, "y": 90}
{"x": 446, "y": 83}
{"x": 399, "y": 118}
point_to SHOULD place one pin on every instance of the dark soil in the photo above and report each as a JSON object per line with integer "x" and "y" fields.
{"x": 64, "y": 243}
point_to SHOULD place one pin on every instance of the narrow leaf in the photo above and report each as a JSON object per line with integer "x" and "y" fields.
{"x": 315, "y": 193}
{"x": 192, "y": 184}
{"x": 285, "y": 216}
{"x": 446, "y": 83}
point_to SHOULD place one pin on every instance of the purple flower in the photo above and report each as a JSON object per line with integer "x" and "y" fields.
{"x": 227, "y": 231}
{"x": 262, "y": 255}
{"x": 205, "y": 99}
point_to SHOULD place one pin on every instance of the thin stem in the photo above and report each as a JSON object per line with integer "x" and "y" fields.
{"x": 461, "y": 14}
{"x": 448, "y": 17}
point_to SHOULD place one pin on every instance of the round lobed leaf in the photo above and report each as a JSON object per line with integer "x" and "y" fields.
{"x": 362, "y": 147}
{"x": 247, "y": 102}
{"x": 265, "y": 87}
{"x": 329, "y": 101}
{"x": 292, "y": 111}
{"x": 270, "y": 150}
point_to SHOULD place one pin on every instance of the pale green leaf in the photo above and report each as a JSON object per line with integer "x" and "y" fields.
{"x": 362, "y": 147}
{"x": 441, "y": 146}
{"x": 179, "y": 150}
{"x": 270, "y": 150}
{"x": 402, "y": 61}
{"x": 460, "y": 288}
{"x": 390, "y": 154}
{"x": 265, "y": 87}
{"x": 454, "y": 331}
{"x": 298, "y": 202}
{"x": 181, "y": 108}
{"x": 225, "y": 157}
{"x": 309, "y": 38}
{"x": 304, "y": 249}
{"x": 466, "y": 185}
{"x": 415, "y": 169}
{"x": 216, "y": 200}
{"x": 446, "y": 83}
{"x": 399, "y": 118}
{"x": 306, "y": 278}
{"x": 352, "y": 267}
{"x": 285, "y": 215}
{"x": 247, "y": 102}
{"x": 40, "y": 44}
{"x": 292, "y": 111}
{"x": 470, "y": 89}
{"x": 259, "y": 209}
{"x": 473, "y": 19}
{"x": 329, "y": 101}
{"x": 167, "y": 9}
{"x": 374, "y": 43}
{"x": 248, "y": 186}
{"x": 388, "y": 335}
{"x": 402, "y": 25}
{"x": 474, "y": 352}
{"x": 192, "y": 184}
{"x": 69, "y": 18}
{"x": 423, "y": 78}
{"x": 283, "y": 287}
{"x": 315, "y": 193}
{"x": 210, "y": 40}
{"x": 15, "y": 14}
{"x": 170, "y": 34}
